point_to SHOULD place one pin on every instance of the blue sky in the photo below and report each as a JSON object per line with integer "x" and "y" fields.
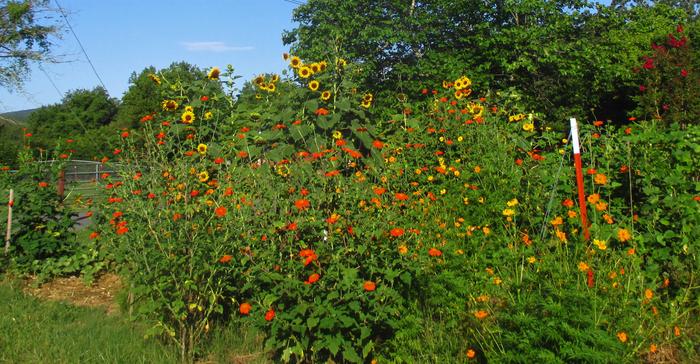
{"x": 125, "y": 36}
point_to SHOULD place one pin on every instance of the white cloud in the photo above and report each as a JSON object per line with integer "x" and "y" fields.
{"x": 213, "y": 47}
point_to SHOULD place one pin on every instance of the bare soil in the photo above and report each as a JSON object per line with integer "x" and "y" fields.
{"x": 101, "y": 294}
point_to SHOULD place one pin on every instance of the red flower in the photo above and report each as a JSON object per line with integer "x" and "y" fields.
{"x": 332, "y": 173}
{"x": 424, "y": 91}
{"x": 245, "y": 308}
{"x": 117, "y": 151}
{"x": 125, "y": 134}
{"x": 379, "y": 190}
{"x": 309, "y": 254}
{"x": 122, "y": 230}
{"x": 291, "y": 226}
{"x": 369, "y": 286}
{"x": 591, "y": 171}
{"x": 568, "y": 203}
{"x": 43, "y": 184}
{"x": 628, "y": 131}
{"x": 218, "y": 160}
{"x": 94, "y": 235}
{"x": 269, "y": 315}
{"x": 591, "y": 281}
{"x": 151, "y": 196}
{"x": 204, "y": 98}
{"x": 28, "y": 135}
{"x": 684, "y": 72}
{"x": 642, "y": 88}
{"x": 519, "y": 162}
{"x": 378, "y": 144}
{"x": 321, "y": 111}
{"x": 225, "y": 259}
{"x": 434, "y": 252}
{"x": 396, "y": 232}
{"x": 220, "y": 211}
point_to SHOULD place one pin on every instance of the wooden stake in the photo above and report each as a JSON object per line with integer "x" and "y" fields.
{"x": 9, "y": 221}
{"x": 579, "y": 179}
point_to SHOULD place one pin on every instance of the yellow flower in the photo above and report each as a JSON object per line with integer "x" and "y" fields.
{"x": 601, "y": 206}
{"x": 275, "y": 78}
{"x": 512, "y": 202}
{"x": 622, "y": 336}
{"x": 528, "y": 127}
{"x": 403, "y": 249}
{"x": 601, "y": 244}
{"x": 169, "y": 105}
{"x": 295, "y": 62}
{"x": 486, "y": 230}
{"x": 561, "y": 235}
{"x": 460, "y": 138}
{"x": 337, "y": 135}
{"x": 154, "y": 78}
{"x": 189, "y": 108}
{"x": 340, "y": 62}
{"x": 600, "y": 179}
{"x": 313, "y": 85}
{"x": 648, "y": 294}
{"x": 443, "y": 191}
{"x": 531, "y": 260}
{"x": 208, "y": 115}
{"x": 497, "y": 281}
{"x": 259, "y": 80}
{"x": 304, "y": 72}
{"x": 456, "y": 173}
{"x": 583, "y": 267}
{"x": 187, "y": 117}
{"x": 214, "y": 73}
{"x": 271, "y": 87}
{"x": 325, "y": 95}
{"x": 203, "y": 176}
{"x": 202, "y": 149}
{"x": 508, "y": 212}
{"x": 557, "y": 221}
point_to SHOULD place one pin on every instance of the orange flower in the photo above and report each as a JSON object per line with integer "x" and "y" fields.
{"x": 568, "y": 203}
{"x": 401, "y": 196}
{"x": 225, "y": 259}
{"x": 481, "y": 314}
{"x": 302, "y": 204}
{"x": 434, "y": 252}
{"x": 269, "y": 315}
{"x": 94, "y": 235}
{"x": 310, "y": 256}
{"x": 652, "y": 348}
{"x": 601, "y": 206}
{"x": 313, "y": 278}
{"x": 220, "y": 211}
{"x": 594, "y": 198}
{"x": 378, "y": 144}
{"x": 622, "y": 336}
{"x": 600, "y": 179}
{"x": 245, "y": 308}
{"x": 648, "y": 294}
{"x": 676, "y": 331}
{"x": 471, "y": 354}
{"x": 321, "y": 111}
{"x": 43, "y": 184}
{"x": 403, "y": 249}
{"x": 369, "y": 286}
{"x": 379, "y": 190}
{"x": 396, "y": 232}
{"x": 623, "y": 235}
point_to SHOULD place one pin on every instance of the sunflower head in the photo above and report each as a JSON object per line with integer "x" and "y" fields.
{"x": 202, "y": 149}
{"x": 366, "y": 103}
{"x": 214, "y": 73}
{"x": 315, "y": 67}
{"x": 203, "y": 176}
{"x": 187, "y": 117}
{"x": 304, "y": 72}
{"x": 259, "y": 80}
{"x": 169, "y": 105}
{"x": 275, "y": 78}
{"x": 325, "y": 95}
{"x": 189, "y": 108}
{"x": 285, "y": 56}
{"x": 313, "y": 85}
{"x": 323, "y": 65}
{"x": 271, "y": 87}
{"x": 154, "y": 78}
{"x": 208, "y": 115}
{"x": 295, "y": 62}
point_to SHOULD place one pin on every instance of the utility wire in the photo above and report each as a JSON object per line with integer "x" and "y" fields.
{"x": 51, "y": 80}
{"x": 63, "y": 14}
{"x": 296, "y": 2}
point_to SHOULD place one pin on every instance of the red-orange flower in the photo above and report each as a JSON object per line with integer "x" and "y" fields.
{"x": 313, "y": 278}
{"x": 225, "y": 259}
{"x": 43, "y": 184}
{"x": 378, "y": 144}
{"x": 396, "y": 232}
{"x": 245, "y": 308}
{"x": 369, "y": 286}
{"x": 321, "y": 111}
{"x": 379, "y": 190}
{"x": 269, "y": 315}
{"x": 309, "y": 254}
{"x": 433, "y": 252}
{"x": 220, "y": 211}
{"x": 401, "y": 196}
{"x": 302, "y": 204}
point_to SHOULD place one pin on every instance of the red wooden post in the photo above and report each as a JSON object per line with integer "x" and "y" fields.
{"x": 579, "y": 178}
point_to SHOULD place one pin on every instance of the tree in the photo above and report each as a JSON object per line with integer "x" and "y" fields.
{"x": 26, "y": 32}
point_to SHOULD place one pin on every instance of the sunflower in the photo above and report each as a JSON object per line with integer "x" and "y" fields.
{"x": 476, "y": 109}
{"x": 458, "y": 95}
{"x": 337, "y": 135}
{"x": 366, "y": 103}
{"x": 313, "y": 85}
{"x": 315, "y": 67}
{"x": 208, "y": 115}
{"x": 285, "y": 56}
{"x": 259, "y": 80}
{"x": 325, "y": 95}
{"x": 154, "y": 78}
{"x": 202, "y": 149}
{"x": 368, "y": 97}
{"x": 189, "y": 108}
{"x": 214, "y": 73}
{"x": 271, "y": 87}
{"x": 295, "y": 62}
{"x": 304, "y": 72}
{"x": 203, "y": 176}
{"x": 187, "y": 117}
{"x": 323, "y": 65}
{"x": 274, "y": 78}
{"x": 263, "y": 86}
{"x": 169, "y": 105}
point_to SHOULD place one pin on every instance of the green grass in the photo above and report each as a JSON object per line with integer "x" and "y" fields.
{"x": 32, "y": 331}
{"x": 36, "y": 331}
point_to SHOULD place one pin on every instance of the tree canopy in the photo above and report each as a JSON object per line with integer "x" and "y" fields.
{"x": 27, "y": 30}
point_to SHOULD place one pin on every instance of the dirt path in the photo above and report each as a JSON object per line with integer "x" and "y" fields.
{"x": 101, "y": 294}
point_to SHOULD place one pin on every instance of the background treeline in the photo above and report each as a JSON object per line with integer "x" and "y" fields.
{"x": 560, "y": 58}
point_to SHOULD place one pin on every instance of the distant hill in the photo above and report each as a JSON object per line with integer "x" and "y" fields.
{"x": 15, "y": 117}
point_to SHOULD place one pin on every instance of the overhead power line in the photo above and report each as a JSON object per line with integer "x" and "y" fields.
{"x": 63, "y": 14}
{"x": 295, "y": 2}
{"x": 60, "y": 94}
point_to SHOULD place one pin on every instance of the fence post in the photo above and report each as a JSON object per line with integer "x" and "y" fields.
{"x": 61, "y": 184}
{"x": 9, "y": 221}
